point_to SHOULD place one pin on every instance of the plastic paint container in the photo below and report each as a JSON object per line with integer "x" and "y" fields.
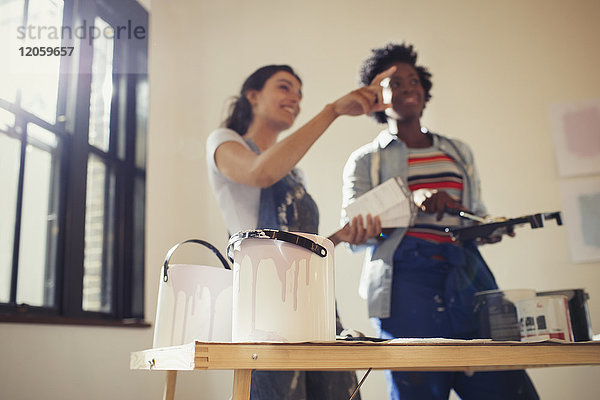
{"x": 194, "y": 302}
{"x": 283, "y": 287}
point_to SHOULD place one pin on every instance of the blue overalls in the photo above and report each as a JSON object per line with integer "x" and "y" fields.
{"x": 433, "y": 290}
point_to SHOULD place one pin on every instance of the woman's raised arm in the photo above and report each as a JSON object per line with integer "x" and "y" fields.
{"x": 241, "y": 165}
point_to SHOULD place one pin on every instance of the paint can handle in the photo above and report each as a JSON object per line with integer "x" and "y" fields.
{"x": 197, "y": 241}
{"x": 278, "y": 235}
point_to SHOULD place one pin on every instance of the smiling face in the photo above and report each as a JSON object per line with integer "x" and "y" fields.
{"x": 407, "y": 93}
{"x": 278, "y": 102}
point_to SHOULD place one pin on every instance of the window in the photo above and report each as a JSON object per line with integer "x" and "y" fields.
{"x": 72, "y": 160}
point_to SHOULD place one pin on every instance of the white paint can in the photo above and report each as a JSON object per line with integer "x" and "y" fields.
{"x": 283, "y": 287}
{"x": 194, "y": 302}
{"x": 545, "y": 317}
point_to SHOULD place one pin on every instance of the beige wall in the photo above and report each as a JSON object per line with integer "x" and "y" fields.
{"x": 497, "y": 67}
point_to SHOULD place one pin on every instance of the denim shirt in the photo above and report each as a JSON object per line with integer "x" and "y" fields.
{"x": 376, "y": 277}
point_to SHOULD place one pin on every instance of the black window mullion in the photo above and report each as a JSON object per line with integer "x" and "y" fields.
{"x": 19, "y": 211}
{"x": 111, "y": 200}
{"x": 74, "y": 245}
{"x": 120, "y": 251}
{"x": 66, "y": 75}
{"x": 107, "y": 257}
{"x": 118, "y": 170}
{"x": 52, "y": 239}
{"x": 61, "y": 258}
{"x": 127, "y": 226}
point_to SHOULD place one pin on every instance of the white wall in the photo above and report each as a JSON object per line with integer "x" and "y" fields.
{"x": 497, "y": 67}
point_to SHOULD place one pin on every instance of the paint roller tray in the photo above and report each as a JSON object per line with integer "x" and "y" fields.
{"x": 498, "y": 227}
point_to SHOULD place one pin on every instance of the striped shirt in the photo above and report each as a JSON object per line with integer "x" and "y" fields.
{"x": 430, "y": 168}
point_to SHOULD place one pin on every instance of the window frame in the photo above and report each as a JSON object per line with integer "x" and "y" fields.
{"x": 72, "y": 130}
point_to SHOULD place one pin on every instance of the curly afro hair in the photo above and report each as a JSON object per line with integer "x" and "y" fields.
{"x": 383, "y": 58}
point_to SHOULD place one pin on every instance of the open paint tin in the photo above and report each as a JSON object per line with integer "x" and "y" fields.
{"x": 283, "y": 287}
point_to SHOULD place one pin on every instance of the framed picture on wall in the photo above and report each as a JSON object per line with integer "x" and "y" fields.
{"x": 576, "y": 133}
{"x": 581, "y": 197}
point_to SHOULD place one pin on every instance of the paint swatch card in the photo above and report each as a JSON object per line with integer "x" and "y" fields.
{"x": 391, "y": 201}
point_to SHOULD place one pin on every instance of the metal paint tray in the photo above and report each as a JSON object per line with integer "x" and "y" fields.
{"x": 487, "y": 229}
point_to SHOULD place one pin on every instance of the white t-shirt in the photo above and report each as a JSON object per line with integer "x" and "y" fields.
{"x": 238, "y": 202}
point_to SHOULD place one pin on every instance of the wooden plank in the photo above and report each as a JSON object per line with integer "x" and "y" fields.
{"x": 165, "y": 358}
{"x": 351, "y": 356}
{"x": 410, "y": 356}
{"x": 241, "y": 384}
{"x": 399, "y": 357}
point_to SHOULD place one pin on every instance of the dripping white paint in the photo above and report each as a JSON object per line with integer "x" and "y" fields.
{"x": 193, "y": 304}
{"x": 283, "y": 292}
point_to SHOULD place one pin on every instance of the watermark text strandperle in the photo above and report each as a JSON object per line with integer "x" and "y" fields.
{"x": 84, "y": 31}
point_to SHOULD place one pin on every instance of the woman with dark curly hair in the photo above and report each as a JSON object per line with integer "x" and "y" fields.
{"x": 417, "y": 281}
{"x": 257, "y": 186}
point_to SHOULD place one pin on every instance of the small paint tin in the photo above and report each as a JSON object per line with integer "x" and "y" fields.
{"x": 496, "y": 313}
{"x": 545, "y": 317}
